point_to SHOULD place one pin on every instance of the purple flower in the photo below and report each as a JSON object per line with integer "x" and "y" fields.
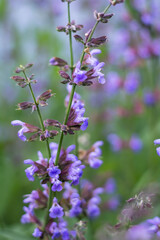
{"x": 157, "y": 141}
{"x": 93, "y": 211}
{"x": 76, "y": 209}
{"x": 79, "y": 75}
{"x": 26, "y": 128}
{"x": 113, "y": 203}
{"x": 93, "y": 155}
{"x": 110, "y": 186}
{"x": 76, "y": 118}
{"x": 37, "y": 233}
{"x": 75, "y": 172}
{"x": 22, "y": 130}
{"x": 97, "y": 72}
{"x": 154, "y": 226}
{"x": 147, "y": 19}
{"x": 91, "y": 60}
{"x": 54, "y": 172}
{"x": 149, "y": 98}
{"x": 30, "y": 171}
{"x": 138, "y": 232}
{"x": 56, "y": 211}
{"x": 131, "y": 83}
{"x": 113, "y": 83}
{"x": 59, "y": 230}
{"x": 39, "y": 167}
{"x": 57, "y": 185}
{"x": 135, "y": 143}
{"x": 29, "y": 216}
{"x": 115, "y": 141}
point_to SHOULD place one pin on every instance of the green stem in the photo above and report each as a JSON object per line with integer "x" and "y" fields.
{"x": 70, "y": 39}
{"x": 48, "y": 149}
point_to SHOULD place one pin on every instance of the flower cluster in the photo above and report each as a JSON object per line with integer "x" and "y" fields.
{"x": 62, "y": 170}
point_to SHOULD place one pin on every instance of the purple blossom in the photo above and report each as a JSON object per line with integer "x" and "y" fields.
{"x": 115, "y": 141}
{"x": 57, "y": 185}
{"x": 23, "y": 130}
{"x": 131, "y": 83}
{"x": 37, "y": 233}
{"x": 110, "y": 186}
{"x": 29, "y": 216}
{"x": 97, "y": 72}
{"x": 149, "y": 98}
{"x": 54, "y": 172}
{"x": 135, "y": 143}
{"x": 138, "y": 232}
{"x": 93, "y": 211}
{"x": 91, "y": 60}
{"x": 154, "y": 226}
{"x": 113, "y": 203}
{"x": 79, "y": 75}
{"x": 113, "y": 83}
{"x": 76, "y": 209}
{"x": 76, "y": 118}
{"x": 56, "y": 211}
{"x": 36, "y": 167}
{"x": 157, "y": 141}
{"x": 93, "y": 157}
{"x": 59, "y": 230}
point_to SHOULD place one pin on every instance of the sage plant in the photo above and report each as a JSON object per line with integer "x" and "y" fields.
{"x": 61, "y": 170}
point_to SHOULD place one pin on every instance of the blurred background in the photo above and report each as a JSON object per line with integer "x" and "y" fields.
{"x": 124, "y": 112}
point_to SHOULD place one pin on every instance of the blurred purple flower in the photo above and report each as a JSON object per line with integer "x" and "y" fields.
{"x": 110, "y": 186}
{"x": 115, "y": 141}
{"x": 135, "y": 143}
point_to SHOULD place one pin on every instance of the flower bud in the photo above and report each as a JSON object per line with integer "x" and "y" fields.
{"x": 114, "y": 2}
{"x": 51, "y": 122}
{"x": 95, "y": 42}
{"x": 20, "y": 81}
{"x": 43, "y": 97}
{"x": 79, "y": 38}
{"x": 24, "y": 105}
{"x": 55, "y": 61}
{"x": 61, "y": 29}
{"x": 63, "y": 74}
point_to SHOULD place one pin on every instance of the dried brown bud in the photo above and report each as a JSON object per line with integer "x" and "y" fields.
{"x": 65, "y": 81}
{"x": 95, "y": 42}
{"x": 114, "y": 2}
{"x": 34, "y": 137}
{"x": 63, "y": 74}
{"x": 87, "y": 83}
{"x": 24, "y": 105}
{"x": 53, "y": 133}
{"x": 61, "y": 29}
{"x": 20, "y": 81}
{"x": 101, "y": 17}
{"x": 22, "y": 68}
{"x": 51, "y": 122}
{"x": 55, "y": 61}
{"x": 43, "y": 97}
{"x": 18, "y": 78}
{"x": 79, "y": 38}
{"x": 29, "y": 65}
